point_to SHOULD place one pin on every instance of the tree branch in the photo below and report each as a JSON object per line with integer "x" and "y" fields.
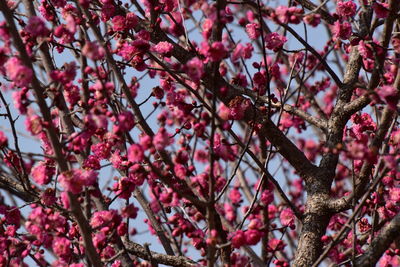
{"x": 10, "y": 185}
{"x": 141, "y": 252}
{"x": 84, "y": 226}
{"x": 315, "y": 53}
{"x": 317, "y": 9}
{"x": 380, "y": 243}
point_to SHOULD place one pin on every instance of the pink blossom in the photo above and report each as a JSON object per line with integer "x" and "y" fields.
{"x": 74, "y": 180}
{"x": 165, "y": 196}
{"x": 100, "y": 240}
{"x": 252, "y": 236}
{"x": 158, "y": 92}
{"x": 287, "y": 217}
{"x": 36, "y": 27}
{"x": 107, "y": 11}
{"x": 238, "y": 107}
{"x": 238, "y": 260}
{"x": 255, "y": 224}
{"x": 199, "y": 129}
{"x": 222, "y": 149}
{"x": 11, "y": 231}
{"x": 253, "y": 30}
{"x": 128, "y": 50}
{"x": 342, "y": 30}
{"x": 169, "y": 5}
{"x": 346, "y": 9}
{"x": 182, "y": 156}
{"x": 162, "y": 139}
{"x": 42, "y": 173}
{"x": 72, "y": 94}
{"x": 389, "y": 260}
{"x": 230, "y": 212}
{"x": 71, "y": 25}
{"x": 135, "y": 153}
{"x": 122, "y": 229}
{"x": 388, "y": 211}
{"x": 109, "y": 218}
{"x": 312, "y": 19}
{"x": 216, "y": 52}
{"x": 134, "y": 52}
{"x": 62, "y": 247}
{"x": 130, "y": 211}
{"x": 390, "y": 95}
{"x": 126, "y": 121}
{"x": 357, "y": 150}
{"x": 180, "y": 171}
{"x": 96, "y": 123}
{"x": 369, "y": 51}
{"x": 163, "y": 48}
{"x": 65, "y": 200}
{"x": 119, "y": 23}
{"x": 194, "y": 68}
{"x": 362, "y": 125}
{"x": 276, "y": 245}
{"x": 48, "y": 197}
{"x": 33, "y": 123}
{"x": 286, "y": 14}
{"x": 224, "y": 112}
{"x": 207, "y": 27}
{"x": 46, "y": 11}
{"x": 65, "y": 34}
{"x": 3, "y": 140}
{"x": 381, "y": 9}
{"x": 212, "y": 240}
{"x": 131, "y": 20}
{"x": 93, "y": 51}
{"x": 102, "y": 90}
{"x": 259, "y": 79}
{"x": 107, "y": 134}
{"x": 364, "y": 225}
{"x": 18, "y": 73}
{"x": 66, "y": 75}
{"x": 274, "y": 41}
{"x": 396, "y": 43}
{"x": 4, "y": 33}
{"x": 12, "y": 215}
{"x": 235, "y": 196}
{"x": 394, "y": 194}
{"x": 137, "y": 174}
{"x": 117, "y": 160}
{"x": 117, "y": 263}
{"x": 78, "y": 141}
{"x": 247, "y": 51}
{"x": 101, "y": 150}
{"x": 267, "y": 197}
{"x": 124, "y": 187}
{"x": 175, "y": 25}
{"x": 391, "y": 161}
{"x": 238, "y": 239}
{"x": 242, "y": 51}
{"x": 92, "y": 162}
{"x": 145, "y": 141}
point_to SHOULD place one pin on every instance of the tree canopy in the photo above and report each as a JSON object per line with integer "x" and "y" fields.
{"x": 238, "y": 133}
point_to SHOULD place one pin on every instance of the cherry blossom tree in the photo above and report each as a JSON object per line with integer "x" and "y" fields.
{"x": 240, "y": 133}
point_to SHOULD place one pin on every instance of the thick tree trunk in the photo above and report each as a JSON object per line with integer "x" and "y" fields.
{"x": 315, "y": 222}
